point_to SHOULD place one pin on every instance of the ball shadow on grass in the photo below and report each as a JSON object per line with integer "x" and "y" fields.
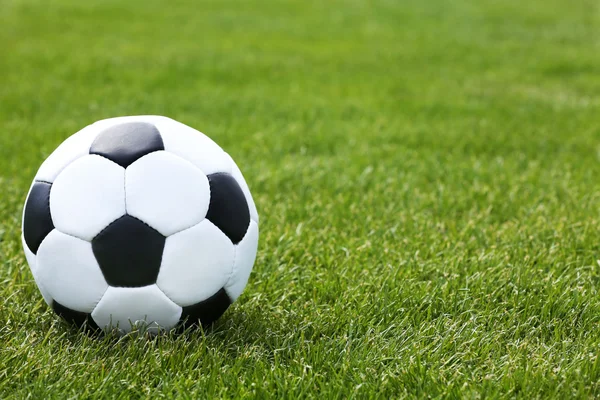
{"x": 184, "y": 330}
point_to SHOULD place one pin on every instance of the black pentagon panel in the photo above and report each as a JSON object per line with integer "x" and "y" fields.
{"x": 206, "y": 312}
{"x": 228, "y": 208}
{"x": 125, "y": 143}
{"x": 37, "y": 222}
{"x": 129, "y": 252}
{"x": 77, "y": 318}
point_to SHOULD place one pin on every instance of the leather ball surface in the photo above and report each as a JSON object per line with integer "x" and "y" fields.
{"x": 140, "y": 220}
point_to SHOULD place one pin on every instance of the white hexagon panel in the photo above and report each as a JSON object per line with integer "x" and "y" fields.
{"x": 87, "y": 196}
{"x": 166, "y": 182}
{"x": 125, "y": 309}
{"x": 196, "y": 264}
{"x": 67, "y": 267}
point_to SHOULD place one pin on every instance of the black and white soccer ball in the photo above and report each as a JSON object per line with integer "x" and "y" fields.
{"x": 140, "y": 221}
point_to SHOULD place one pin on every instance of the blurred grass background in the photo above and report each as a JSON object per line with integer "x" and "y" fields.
{"x": 426, "y": 175}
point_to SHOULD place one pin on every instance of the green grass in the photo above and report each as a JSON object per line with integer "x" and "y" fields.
{"x": 427, "y": 175}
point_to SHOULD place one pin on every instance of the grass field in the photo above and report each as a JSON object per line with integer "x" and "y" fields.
{"x": 427, "y": 175}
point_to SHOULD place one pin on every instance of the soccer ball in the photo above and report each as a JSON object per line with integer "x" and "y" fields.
{"x": 140, "y": 221}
